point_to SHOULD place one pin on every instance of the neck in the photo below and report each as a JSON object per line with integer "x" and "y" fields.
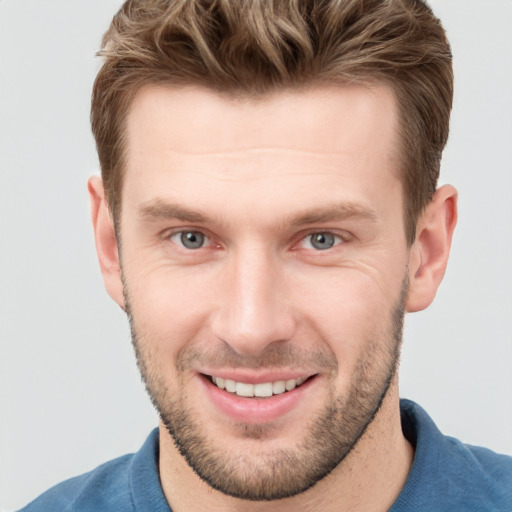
{"x": 369, "y": 478}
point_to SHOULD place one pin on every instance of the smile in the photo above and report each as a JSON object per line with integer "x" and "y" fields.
{"x": 262, "y": 390}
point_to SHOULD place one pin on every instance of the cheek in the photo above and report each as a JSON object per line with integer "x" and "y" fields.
{"x": 349, "y": 310}
{"x": 169, "y": 308}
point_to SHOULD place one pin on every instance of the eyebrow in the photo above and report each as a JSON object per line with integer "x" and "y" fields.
{"x": 334, "y": 213}
{"x": 159, "y": 209}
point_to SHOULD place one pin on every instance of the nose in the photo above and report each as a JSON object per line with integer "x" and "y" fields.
{"x": 255, "y": 309}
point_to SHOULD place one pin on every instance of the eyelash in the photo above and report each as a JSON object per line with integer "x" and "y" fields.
{"x": 339, "y": 239}
{"x": 308, "y": 238}
{"x": 182, "y": 232}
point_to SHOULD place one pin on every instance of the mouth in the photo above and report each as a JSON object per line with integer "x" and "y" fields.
{"x": 261, "y": 399}
{"x": 260, "y": 390}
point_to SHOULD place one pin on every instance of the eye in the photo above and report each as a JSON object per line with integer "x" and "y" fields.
{"x": 190, "y": 239}
{"x": 321, "y": 241}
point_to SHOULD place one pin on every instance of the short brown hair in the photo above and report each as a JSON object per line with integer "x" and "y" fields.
{"x": 256, "y": 47}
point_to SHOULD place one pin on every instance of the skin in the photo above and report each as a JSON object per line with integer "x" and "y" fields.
{"x": 258, "y": 177}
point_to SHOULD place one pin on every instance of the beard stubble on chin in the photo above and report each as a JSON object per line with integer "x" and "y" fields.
{"x": 328, "y": 439}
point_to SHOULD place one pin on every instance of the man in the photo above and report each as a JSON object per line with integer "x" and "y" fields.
{"x": 267, "y": 213}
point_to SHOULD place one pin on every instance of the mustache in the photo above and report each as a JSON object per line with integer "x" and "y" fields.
{"x": 276, "y": 355}
{"x": 220, "y": 355}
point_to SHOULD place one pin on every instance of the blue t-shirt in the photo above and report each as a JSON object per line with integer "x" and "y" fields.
{"x": 446, "y": 475}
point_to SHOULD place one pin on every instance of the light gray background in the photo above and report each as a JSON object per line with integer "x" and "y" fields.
{"x": 70, "y": 394}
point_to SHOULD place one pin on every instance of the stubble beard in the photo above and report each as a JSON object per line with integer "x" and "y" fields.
{"x": 279, "y": 473}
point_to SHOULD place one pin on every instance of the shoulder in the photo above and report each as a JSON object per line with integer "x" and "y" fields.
{"x": 481, "y": 471}
{"x": 448, "y": 474}
{"x": 105, "y": 487}
{"x": 128, "y": 484}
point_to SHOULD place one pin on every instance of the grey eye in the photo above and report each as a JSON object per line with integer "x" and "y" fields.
{"x": 192, "y": 239}
{"x": 322, "y": 241}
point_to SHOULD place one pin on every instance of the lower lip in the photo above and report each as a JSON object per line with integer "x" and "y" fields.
{"x": 255, "y": 410}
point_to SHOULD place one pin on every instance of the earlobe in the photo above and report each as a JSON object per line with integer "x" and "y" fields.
{"x": 105, "y": 238}
{"x": 430, "y": 251}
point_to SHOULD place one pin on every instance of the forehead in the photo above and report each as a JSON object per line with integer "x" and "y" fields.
{"x": 325, "y": 119}
{"x": 285, "y": 149}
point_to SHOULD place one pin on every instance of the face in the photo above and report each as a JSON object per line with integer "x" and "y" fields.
{"x": 264, "y": 267}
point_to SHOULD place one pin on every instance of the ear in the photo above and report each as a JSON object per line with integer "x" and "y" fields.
{"x": 106, "y": 243}
{"x": 429, "y": 252}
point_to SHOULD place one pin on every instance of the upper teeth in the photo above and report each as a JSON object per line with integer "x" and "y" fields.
{"x": 264, "y": 389}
